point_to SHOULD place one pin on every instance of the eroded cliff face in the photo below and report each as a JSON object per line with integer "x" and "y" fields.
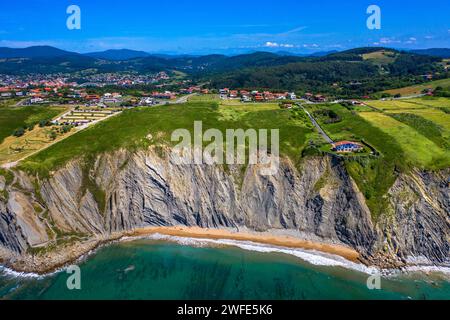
{"x": 124, "y": 191}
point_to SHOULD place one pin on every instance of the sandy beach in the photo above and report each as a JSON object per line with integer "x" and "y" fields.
{"x": 52, "y": 260}
{"x": 263, "y": 238}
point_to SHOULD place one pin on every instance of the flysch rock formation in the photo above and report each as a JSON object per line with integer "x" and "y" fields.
{"x": 123, "y": 191}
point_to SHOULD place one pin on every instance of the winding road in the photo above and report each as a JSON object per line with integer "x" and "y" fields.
{"x": 314, "y": 122}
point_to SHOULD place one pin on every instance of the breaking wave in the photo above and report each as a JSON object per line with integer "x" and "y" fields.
{"x": 311, "y": 256}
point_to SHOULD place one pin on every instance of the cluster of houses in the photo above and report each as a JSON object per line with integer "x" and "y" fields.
{"x": 39, "y": 87}
{"x": 258, "y": 96}
{"x": 249, "y": 96}
{"x": 34, "y": 95}
{"x": 6, "y": 93}
{"x": 164, "y": 95}
{"x": 36, "y": 87}
{"x": 124, "y": 79}
{"x": 114, "y": 97}
{"x": 314, "y": 97}
{"x": 193, "y": 89}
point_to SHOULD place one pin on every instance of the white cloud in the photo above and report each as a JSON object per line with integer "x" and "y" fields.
{"x": 411, "y": 40}
{"x": 388, "y": 40}
{"x": 314, "y": 45}
{"x": 24, "y": 44}
{"x": 270, "y": 44}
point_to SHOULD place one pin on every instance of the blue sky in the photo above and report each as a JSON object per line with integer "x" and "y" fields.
{"x": 199, "y": 26}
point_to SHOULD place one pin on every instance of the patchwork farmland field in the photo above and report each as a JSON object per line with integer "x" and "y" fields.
{"x": 395, "y": 105}
{"x": 435, "y": 102}
{"x": 417, "y": 89}
{"x": 428, "y": 116}
{"x": 425, "y": 127}
{"x": 421, "y": 151}
{"x": 438, "y": 117}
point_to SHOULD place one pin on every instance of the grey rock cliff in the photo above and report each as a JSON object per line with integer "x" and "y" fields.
{"x": 123, "y": 191}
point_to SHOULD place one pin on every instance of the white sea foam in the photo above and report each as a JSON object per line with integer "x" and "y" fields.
{"x": 429, "y": 269}
{"x": 4, "y": 271}
{"x": 311, "y": 256}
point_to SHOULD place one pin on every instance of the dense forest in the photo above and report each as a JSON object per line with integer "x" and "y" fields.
{"x": 343, "y": 74}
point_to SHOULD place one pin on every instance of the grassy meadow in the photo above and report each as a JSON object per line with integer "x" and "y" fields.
{"x": 395, "y": 105}
{"x": 132, "y": 129}
{"x": 12, "y": 118}
{"x": 418, "y": 149}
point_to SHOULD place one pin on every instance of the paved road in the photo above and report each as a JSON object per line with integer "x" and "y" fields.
{"x": 185, "y": 99}
{"x": 21, "y": 102}
{"x": 314, "y": 122}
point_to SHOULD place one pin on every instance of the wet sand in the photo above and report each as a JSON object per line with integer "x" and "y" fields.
{"x": 263, "y": 238}
{"x": 50, "y": 261}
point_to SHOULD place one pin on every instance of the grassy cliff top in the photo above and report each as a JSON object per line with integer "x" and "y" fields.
{"x": 405, "y": 134}
{"x": 140, "y": 127}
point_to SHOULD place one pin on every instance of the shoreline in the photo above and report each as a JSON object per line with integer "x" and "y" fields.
{"x": 51, "y": 262}
{"x": 259, "y": 238}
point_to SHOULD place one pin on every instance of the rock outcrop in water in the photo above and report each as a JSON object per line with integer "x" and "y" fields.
{"x": 123, "y": 191}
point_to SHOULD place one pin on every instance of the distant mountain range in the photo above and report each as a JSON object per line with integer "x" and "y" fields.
{"x": 46, "y": 59}
{"x": 34, "y": 52}
{"x": 436, "y": 52}
{"x": 118, "y": 54}
{"x": 127, "y": 54}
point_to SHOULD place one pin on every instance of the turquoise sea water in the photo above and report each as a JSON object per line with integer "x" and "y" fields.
{"x": 154, "y": 269}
